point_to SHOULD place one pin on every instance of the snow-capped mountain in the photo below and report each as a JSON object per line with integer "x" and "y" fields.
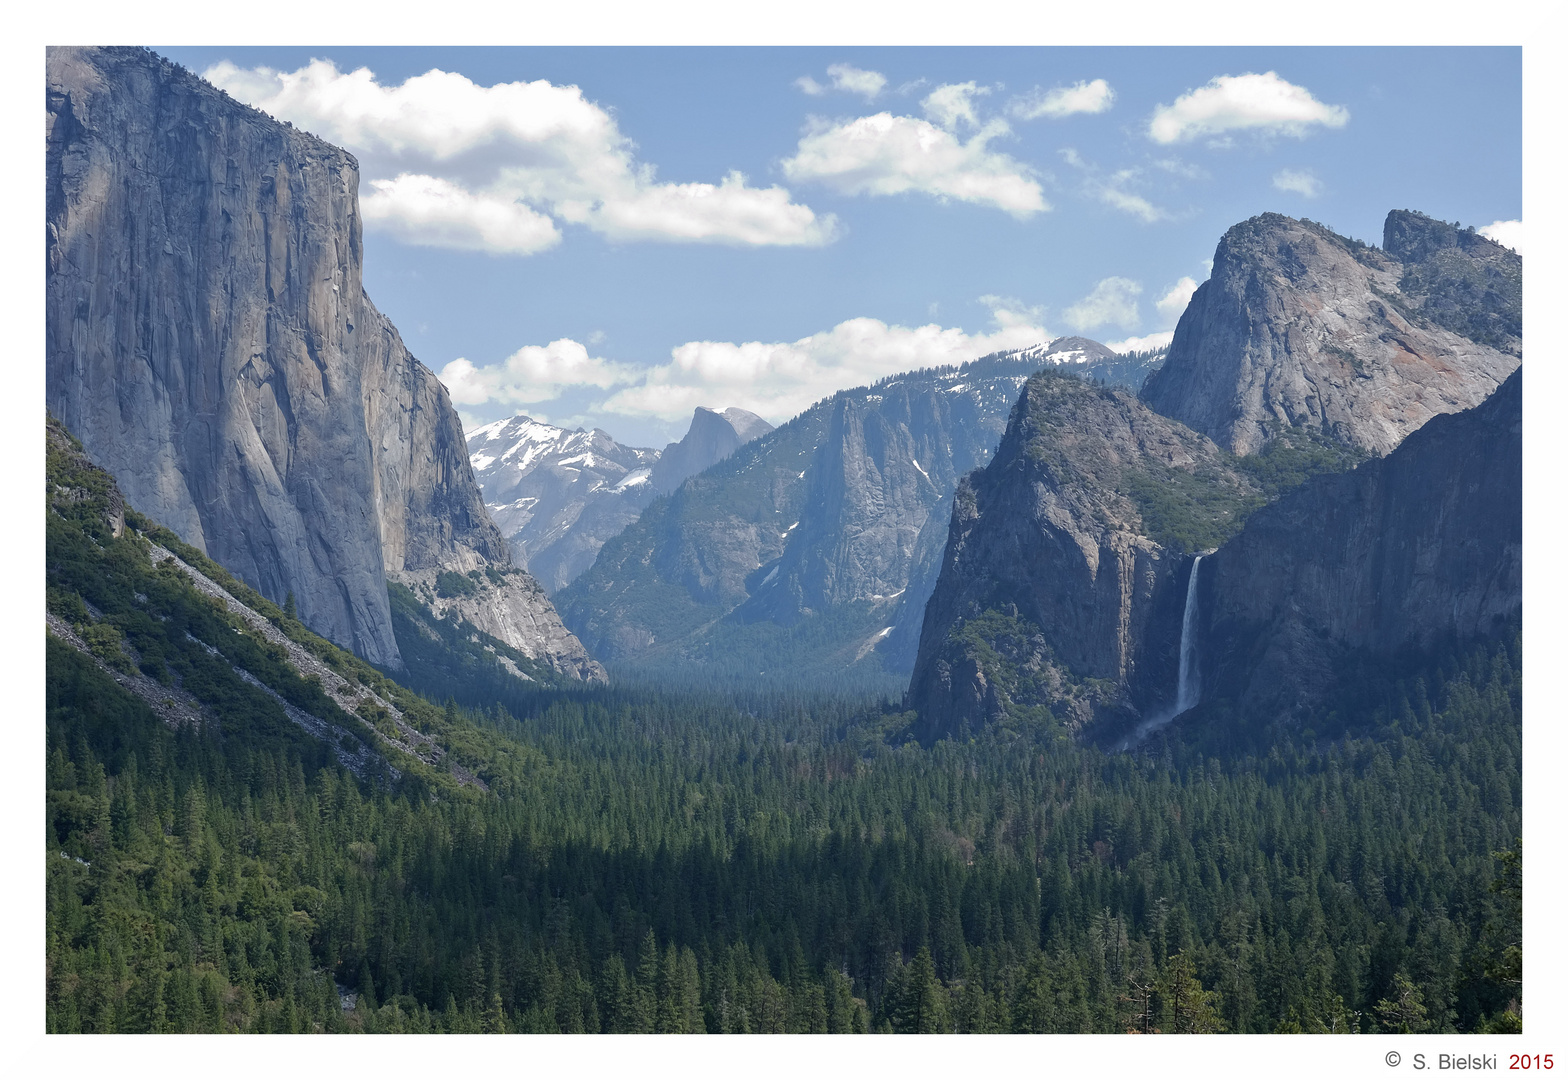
{"x": 557, "y": 495}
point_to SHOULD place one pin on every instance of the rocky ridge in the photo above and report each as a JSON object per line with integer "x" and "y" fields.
{"x": 209, "y": 341}
{"x": 558, "y": 495}
{"x": 1298, "y": 327}
{"x": 811, "y": 550}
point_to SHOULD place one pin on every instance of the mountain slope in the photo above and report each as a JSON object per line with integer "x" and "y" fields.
{"x": 173, "y": 629}
{"x": 811, "y": 550}
{"x": 1065, "y": 554}
{"x": 209, "y": 341}
{"x": 558, "y": 495}
{"x": 1300, "y": 328}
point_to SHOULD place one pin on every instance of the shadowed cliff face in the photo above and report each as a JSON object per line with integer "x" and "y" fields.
{"x": 209, "y": 341}
{"x": 1051, "y": 580}
{"x": 1419, "y": 548}
{"x": 1298, "y": 327}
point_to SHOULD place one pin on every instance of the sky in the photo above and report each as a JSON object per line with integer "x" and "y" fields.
{"x": 612, "y": 236}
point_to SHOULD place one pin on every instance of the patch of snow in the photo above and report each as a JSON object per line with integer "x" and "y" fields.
{"x": 922, "y": 471}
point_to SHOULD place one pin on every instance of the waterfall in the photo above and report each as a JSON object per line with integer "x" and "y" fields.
{"x": 1187, "y": 673}
{"x": 1187, "y": 683}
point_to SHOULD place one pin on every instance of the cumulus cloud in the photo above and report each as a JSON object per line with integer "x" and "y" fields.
{"x": 779, "y": 379}
{"x": 889, "y": 155}
{"x": 434, "y": 212}
{"x": 1508, "y": 233}
{"x": 1081, "y": 97}
{"x": 773, "y": 379}
{"x": 1113, "y": 301}
{"x": 1298, "y": 181}
{"x": 533, "y": 374}
{"x": 953, "y": 103}
{"x": 479, "y": 166}
{"x": 1173, "y": 303}
{"x": 1265, "y": 103}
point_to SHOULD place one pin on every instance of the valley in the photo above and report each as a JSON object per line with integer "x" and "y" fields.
{"x": 1065, "y": 688}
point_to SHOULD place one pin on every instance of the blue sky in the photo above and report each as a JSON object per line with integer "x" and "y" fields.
{"x": 612, "y": 236}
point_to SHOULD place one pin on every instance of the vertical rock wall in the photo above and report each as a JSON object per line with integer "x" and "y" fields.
{"x": 209, "y": 341}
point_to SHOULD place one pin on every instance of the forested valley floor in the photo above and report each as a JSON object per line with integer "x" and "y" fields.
{"x": 623, "y": 860}
{"x": 665, "y": 865}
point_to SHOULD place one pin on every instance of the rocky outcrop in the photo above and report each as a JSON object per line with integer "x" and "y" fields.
{"x": 1458, "y": 278}
{"x": 511, "y": 607}
{"x": 209, "y": 341}
{"x": 712, "y": 437}
{"x": 1065, "y": 558}
{"x": 1300, "y": 328}
{"x": 1419, "y": 548}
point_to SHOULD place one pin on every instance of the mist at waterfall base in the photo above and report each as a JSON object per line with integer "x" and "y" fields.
{"x": 1187, "y": 688}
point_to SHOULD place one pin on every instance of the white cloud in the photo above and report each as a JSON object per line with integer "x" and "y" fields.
{"x": 1113, "y": 192}
{"x": 437, "y": 213}
{"x": 1081, "y": 97}
{"x": 1142, "y": 344}
{"x": 888, "y": 155}
{"x": 1114, "y": 300}
{"x": 532, "y": 374}
{"x": 779, "y": 379}
{"x": 846, "y": 78}
{"x": 1173, "y": 303}
{"x": 1264, "y": 103}
{"x": 483, "y": 155}
{"x": 1298, "y": 181}
{"x": 729, "y": 212}
{"x": 1128, "y": 202}
{"x": 1508, "y": 233}
{"x": 952, "y": 103}
{"x": 853, "y": 80}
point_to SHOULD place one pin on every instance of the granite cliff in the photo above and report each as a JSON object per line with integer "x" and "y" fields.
{"x": 1065, "y": 581}
{"x": 1300, "y": 328}
{"x": 1065, "y": 558}
{"x": 1420, "y": 548}
{"x": 209, "y": 341}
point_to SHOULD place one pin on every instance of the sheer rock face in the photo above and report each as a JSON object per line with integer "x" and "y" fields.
{"x": 1048, "y": 562}
{"x": 1421, "y": 547}
{"x": 209, "y": 341}
{"x": 1298, "y": 327}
